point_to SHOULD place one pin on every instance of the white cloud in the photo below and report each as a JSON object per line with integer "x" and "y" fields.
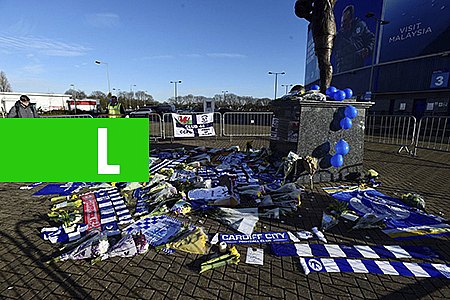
{"x": 194, "y": 55}
{"x": 159, "y": 57}
{"x": 103, "y": 20}
{"x": 34, "y": 69}
{"x": 226, "y": 55}
{"x": 42, "y": 45}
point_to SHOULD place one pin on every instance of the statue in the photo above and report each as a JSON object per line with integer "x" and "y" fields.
{"x": 320, "y": 14}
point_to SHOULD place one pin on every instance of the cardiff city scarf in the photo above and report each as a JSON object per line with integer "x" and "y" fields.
{"x": 254, "y": 238}
{"x": 166, "y": 163}
{"x": 342, "y": 265}
{"x": 193, "y": 125}
{"x": 108, "y": 218}
{"x": 402, "y": 221}
{"x": 91, "y": 212}
{"x": 157, "y": 229}
{"x": 120, "y": 209}
{"x": 354, "y": 251}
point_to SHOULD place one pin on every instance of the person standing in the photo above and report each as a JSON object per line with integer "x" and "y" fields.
{"x": 115, "y": 108}
{"x": 23, "y": 109}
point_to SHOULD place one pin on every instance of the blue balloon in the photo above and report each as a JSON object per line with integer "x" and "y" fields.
{"x": 315, "y": 88}
{"x": 348, "y": 93}
{"x": 346, "y": 123}
{"x": 350, "y": 112}
{"x": 330, "y": 91}
{"x": 342, "y": 147}
{"x": 337, "y": 160}
{"x": 339, "y": 95}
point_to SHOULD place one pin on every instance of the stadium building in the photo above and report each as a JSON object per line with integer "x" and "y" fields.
{"x": 393, "y": 52}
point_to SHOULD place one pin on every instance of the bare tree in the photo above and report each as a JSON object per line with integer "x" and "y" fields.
{"x": 4, "y": 83}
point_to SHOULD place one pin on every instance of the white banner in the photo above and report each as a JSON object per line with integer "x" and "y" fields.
{"x": 193, "y": 125}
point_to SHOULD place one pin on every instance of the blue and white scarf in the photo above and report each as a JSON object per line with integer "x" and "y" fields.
{"x": 354, "y": 251}
{"x": 342, "y": 265}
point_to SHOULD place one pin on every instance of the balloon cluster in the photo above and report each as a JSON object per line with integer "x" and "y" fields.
{"x": 342, "y": 147}
{"x": 334, "y": 93}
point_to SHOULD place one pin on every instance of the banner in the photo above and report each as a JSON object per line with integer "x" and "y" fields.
{"x": 401, "y": 221}
{"x": 193, "y": 125}
{"x": 416, "y": 28}
{"x": 342, "y": 265}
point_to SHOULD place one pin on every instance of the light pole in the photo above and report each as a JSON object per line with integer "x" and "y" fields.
{"x": 176, "y": 92}
{"x": 379, "y": 23}
{"x": 131, "y": 95}
{"x": 287, "y": 87}
{"x": 107, "y": 73}
{"x": 74, "y": 96}
{"x": 276, "y": 81}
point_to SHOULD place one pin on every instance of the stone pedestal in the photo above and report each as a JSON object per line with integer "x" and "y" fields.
{"x": 312, "y": 128}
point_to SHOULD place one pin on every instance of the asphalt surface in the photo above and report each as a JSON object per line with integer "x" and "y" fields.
{"x": 24, "y": 275}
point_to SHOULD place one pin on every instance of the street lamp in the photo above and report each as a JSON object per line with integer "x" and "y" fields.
{"x": 379, "y": 23}
{"x": 107, "y": 73}
{"x": 287, "y": 87}
{"x": 74, "y": 96}
{"x": 276, "y": 81}
{"x": 176, "y": 83}
{"x": 131, "y": 94}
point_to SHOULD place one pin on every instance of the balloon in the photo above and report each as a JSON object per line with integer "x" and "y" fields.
{"x": 342, "y": 147}
{"x": 350, "y": 112}
{"x": 337, "y": 160}
{"x": 346, "y": 123}
{"x": 315, "y": 88}
{"x": 330, "y": 91}
{"x": 348, "y": 93}
{"x": 339, "y": 95}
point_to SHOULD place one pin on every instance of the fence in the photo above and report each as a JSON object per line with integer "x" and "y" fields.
{"x": 247, "y": 124}
{"x": 67, "y": 116}
{"x": 393, "y": 130}
{"x": 433, "y": 133}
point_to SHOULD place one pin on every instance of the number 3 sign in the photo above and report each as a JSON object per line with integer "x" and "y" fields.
{"x": 439, "y": 80}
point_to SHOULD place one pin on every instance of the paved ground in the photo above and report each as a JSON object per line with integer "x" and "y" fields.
{"x": 23, "y": 274}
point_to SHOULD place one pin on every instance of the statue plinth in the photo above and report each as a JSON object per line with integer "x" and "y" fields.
{"x": 312, "y": 128}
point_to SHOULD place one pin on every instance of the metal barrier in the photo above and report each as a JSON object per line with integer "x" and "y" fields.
{"x": 67, "y": 116}
{"x": 247, "y": 123}
{"x": 393, "y": 130}
{"x": 167, "y": 122}
{"x": 433, "y": 133}
{"x": 102, "y": 116}
{"x": 155, "y": 126}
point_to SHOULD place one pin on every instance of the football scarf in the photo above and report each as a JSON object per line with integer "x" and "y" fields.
{"x": 342, "y": 265}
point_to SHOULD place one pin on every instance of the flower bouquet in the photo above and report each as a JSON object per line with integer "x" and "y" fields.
{"x": 233, "y": 257}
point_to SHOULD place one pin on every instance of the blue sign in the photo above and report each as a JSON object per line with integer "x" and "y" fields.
{"x": 416, "y": 28}
{"x": 439, "y": 80}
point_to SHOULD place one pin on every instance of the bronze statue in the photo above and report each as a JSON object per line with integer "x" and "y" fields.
{"x": 320, "y": 14}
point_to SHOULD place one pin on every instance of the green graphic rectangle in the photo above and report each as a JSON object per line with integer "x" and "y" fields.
{"x": 67, "y": 150}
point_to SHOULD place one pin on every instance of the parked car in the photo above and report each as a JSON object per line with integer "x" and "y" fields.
{"x": 142, "y": 112}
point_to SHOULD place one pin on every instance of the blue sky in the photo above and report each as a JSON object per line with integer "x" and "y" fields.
{"x": 211, "y": 45}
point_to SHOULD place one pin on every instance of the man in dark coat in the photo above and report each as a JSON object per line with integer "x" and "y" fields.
{"x": 23, "y": 109}
{"x": 321, "y": 16}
